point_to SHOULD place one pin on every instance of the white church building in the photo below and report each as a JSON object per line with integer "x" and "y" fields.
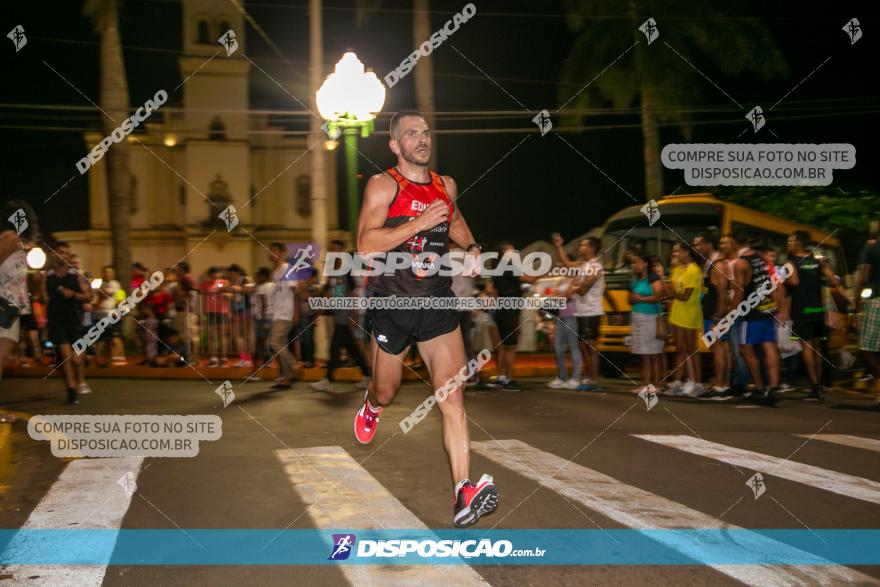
{"x": 212, "y": 148}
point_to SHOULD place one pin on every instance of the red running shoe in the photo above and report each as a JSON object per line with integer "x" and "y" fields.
{"x": 365, "y": 423}
{"x": 475, "y": 501}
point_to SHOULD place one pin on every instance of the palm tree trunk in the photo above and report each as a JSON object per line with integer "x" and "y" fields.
{"x": 651, "y": 146}
{"x": 114, "y": 101}
{"x": 650, "y": 133}
{"x": 424, "y": 72}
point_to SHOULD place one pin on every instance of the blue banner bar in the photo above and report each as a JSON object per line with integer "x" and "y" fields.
{"x": 412, "y": 547}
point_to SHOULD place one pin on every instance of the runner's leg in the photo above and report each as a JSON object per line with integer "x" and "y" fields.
{"x": 444, "y": 357}
{"x": 387, "y": 373}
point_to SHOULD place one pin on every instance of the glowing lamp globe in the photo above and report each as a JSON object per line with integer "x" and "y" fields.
{"x": 350, "y": 92}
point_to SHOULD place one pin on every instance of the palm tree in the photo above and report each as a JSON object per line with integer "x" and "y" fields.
{"x": 423, "y": 73}
{"x": 114, "y": 102}
{"x": 711, "y": 35}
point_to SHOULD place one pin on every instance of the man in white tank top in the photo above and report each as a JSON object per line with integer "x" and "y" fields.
{"x": 588, "y": 307}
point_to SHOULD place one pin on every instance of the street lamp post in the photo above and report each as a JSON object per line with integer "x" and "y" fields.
{"x": 349, "y": 100}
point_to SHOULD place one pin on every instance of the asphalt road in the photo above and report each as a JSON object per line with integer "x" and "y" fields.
{"x": 622, "y": 470}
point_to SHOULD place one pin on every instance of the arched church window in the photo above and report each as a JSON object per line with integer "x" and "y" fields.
{"x": 203, "y": 32}
{"x": 217, "y": 130}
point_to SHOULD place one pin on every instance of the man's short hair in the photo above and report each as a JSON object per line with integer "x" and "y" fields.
{"x": 801, "y": 236}
{"x": 688, "y": 246}
{"x": 741, "y": 237}
{"x": 709, "y": 237}
{"x": 394, "y": 128}
{"x": 184, "y": 266}
{"x": 279, "y": 246}
{"x": 594, "y": 243}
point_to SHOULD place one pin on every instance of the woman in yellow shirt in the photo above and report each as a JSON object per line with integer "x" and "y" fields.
{"x": 686, "y": 319}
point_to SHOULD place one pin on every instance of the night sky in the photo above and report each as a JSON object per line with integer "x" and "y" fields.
{"x": 541, "y": 187}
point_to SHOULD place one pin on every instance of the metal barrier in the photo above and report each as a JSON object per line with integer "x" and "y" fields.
{"x": 213, "y": 325}
{"x": 223, "y": 325}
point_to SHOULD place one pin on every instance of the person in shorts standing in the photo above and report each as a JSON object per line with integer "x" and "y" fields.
{"x": 868, "y": 309}
{"x": 686, "y": 320}
{"x": 65, "y": 296}
{"x": 14, "y": 234}
{"x": 807, "y": 313}
{"x": 646, "y": 292}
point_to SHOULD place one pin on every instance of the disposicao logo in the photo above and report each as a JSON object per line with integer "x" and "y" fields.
{"x": 342, "y": 546}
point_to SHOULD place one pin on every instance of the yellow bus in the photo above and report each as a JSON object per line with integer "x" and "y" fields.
{"x": 685, "y": 216}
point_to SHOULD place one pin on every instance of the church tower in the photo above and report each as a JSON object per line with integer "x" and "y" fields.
{"x": 215, "y": 144}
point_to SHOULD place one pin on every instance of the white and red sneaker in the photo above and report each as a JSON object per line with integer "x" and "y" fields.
{"x": 365, "y": 423}
{"x": 472, "y": 502}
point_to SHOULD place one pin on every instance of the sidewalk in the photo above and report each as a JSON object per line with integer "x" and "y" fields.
{"x": 527, "y": 365}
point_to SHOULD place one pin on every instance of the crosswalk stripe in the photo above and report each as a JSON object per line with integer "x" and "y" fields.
{"x": 639, "y": 509}
{"x": 86, "y": 495}
{"x": 341, "y": 494}
{"x": 847, "y": 440}
{"x": 840, "y": 483}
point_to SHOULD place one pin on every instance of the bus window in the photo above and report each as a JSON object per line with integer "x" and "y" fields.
{"x": 764, "y": 238}
{"x": 625, "y": 236}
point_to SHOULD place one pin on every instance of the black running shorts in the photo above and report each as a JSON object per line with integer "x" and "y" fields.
{"x": 588, "y": 327}
{"x": 813, "y": 330}
{"x": 508, "y": 326}
{"x": 396, "y": 329}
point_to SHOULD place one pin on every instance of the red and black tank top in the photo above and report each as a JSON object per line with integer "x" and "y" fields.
{"x": 425, "y": 248}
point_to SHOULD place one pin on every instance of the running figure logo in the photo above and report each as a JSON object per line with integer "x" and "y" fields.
{"x": 19, "y": 221}
{"x": 756, "y": 117}
{"x": 331, "y": 131}
{"x": 651, "y": 211}
{"x": 16, "y": 35}
{"x": 543, "y": 121}
{"x": 756, "y": 482}
{"x": 650, "y": 30}
{"x": 224, "y": 390}
{"x": 342, "y": 545}
{"x": 229, "y": 42}
{"x": 854, "y": 30}
{"x": 301, "y": 261}
{"x": 649, "y": 396}
{"x": 229, "y": 217}
{"x": 128, "y": 484}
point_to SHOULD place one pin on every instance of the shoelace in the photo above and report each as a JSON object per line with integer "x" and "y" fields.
{"x": 370, "y": 418}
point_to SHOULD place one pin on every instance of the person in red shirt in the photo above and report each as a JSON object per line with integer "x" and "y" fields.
{"x": 214, "y": 305}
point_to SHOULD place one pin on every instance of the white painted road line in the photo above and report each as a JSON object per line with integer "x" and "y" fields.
{"x": 638, "y": 509}
{"x": 341, "y": 494}
{"x": 86, "y": 495}
{"x": 847, "y": 440}
{"x": 840, "y": 483}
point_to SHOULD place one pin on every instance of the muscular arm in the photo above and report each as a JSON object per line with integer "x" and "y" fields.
{"x": 719, "y": 280}
{"x": 564, "y": 259}
{"x": 372, "y": 236}
{"x": 459, "y": 231}
{"x": 742, "y": 273}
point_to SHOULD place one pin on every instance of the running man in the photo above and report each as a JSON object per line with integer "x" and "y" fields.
{"x": 410, "y": 209}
